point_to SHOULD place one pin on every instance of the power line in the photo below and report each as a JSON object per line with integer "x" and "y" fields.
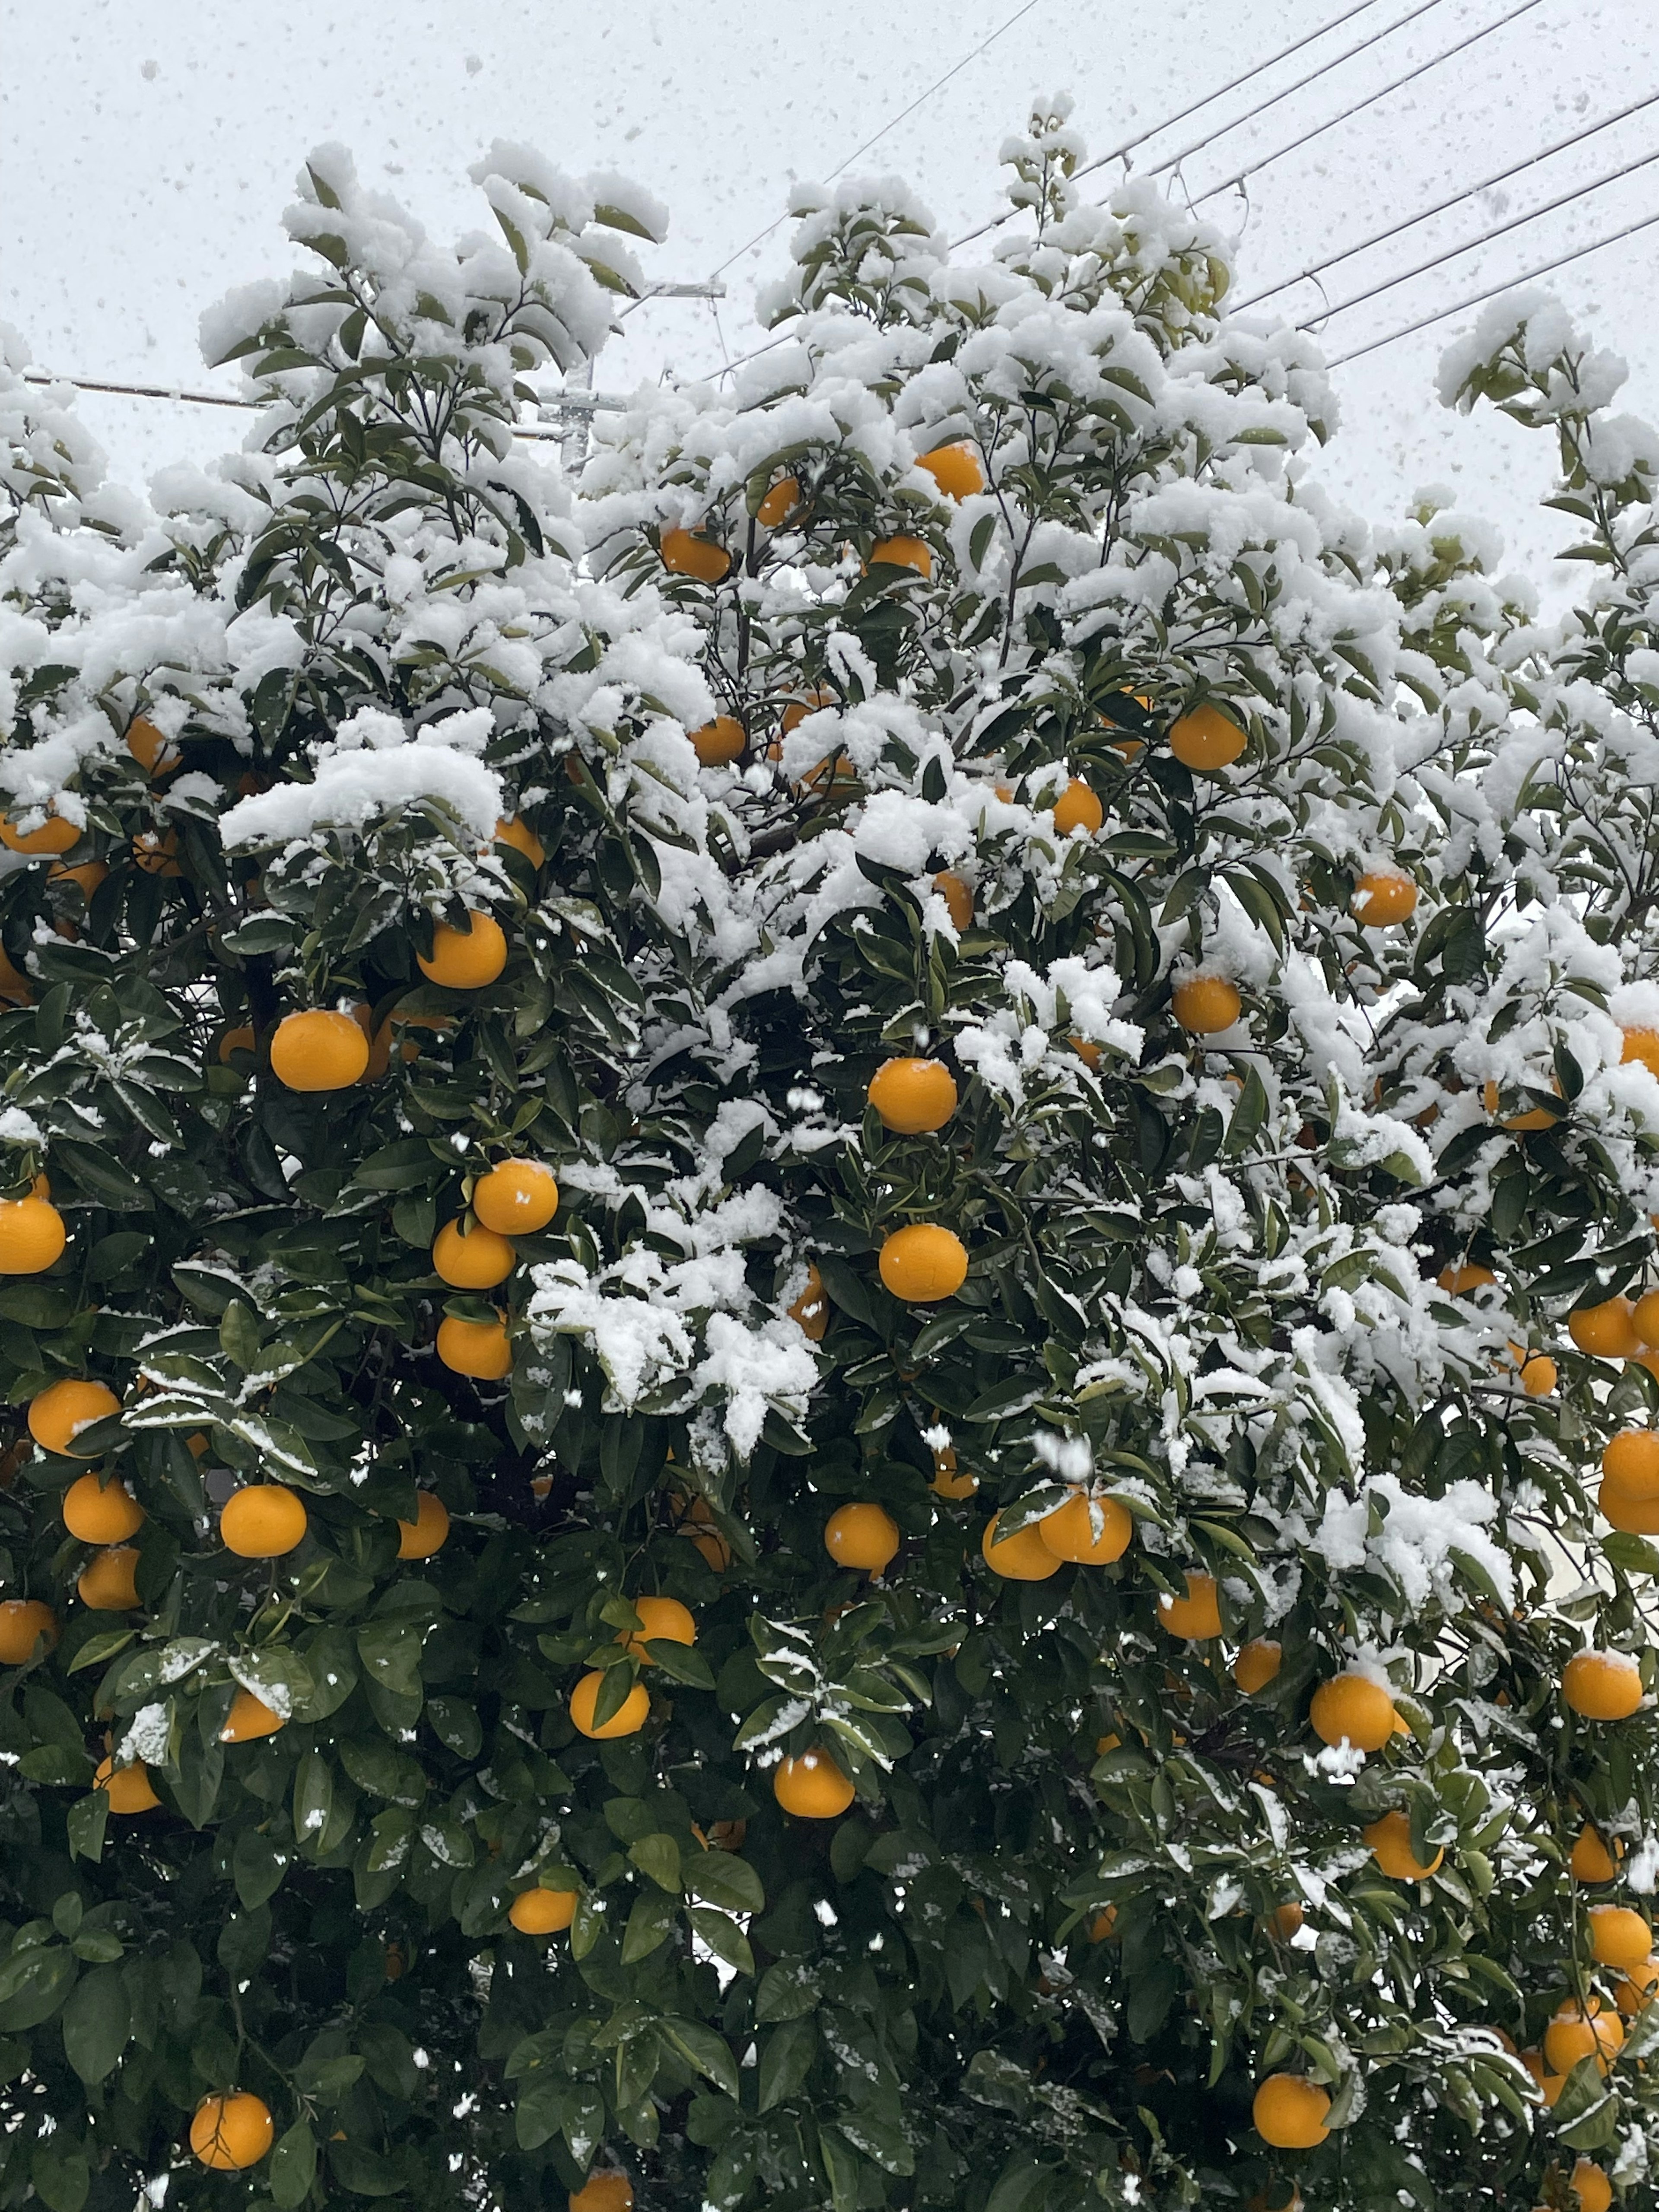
{"x": 1424, "y": 215}
{"x": 571, "y": 403}
{"x": 1478, "y": 299}
{"x": 1451, "y": 254}
{"x": 1169, "y": 122}
{"x": 1370, "y": 99}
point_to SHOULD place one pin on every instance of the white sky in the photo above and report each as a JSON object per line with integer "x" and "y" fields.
{"x": 147, "y": 151}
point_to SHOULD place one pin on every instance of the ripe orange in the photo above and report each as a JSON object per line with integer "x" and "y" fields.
{"x": 1290, "y": 2112}
{"x": 1538, "y": 1372}
{"x": 1197, "y": 1617}
{"x": 1285, "y": 1920}
{"x": 1637, "y": 1516}
{"x": 1619, "y": 1937}
{"x": 250, "y": 1718}
{"x": 262, "y": 1521}
{"x": 58, "y": 1411}
{"x": 1607, "y": 1331}
{"x": 955, "y": 469}
{"x": 482, "y": 1349}
{"x": 1077, "y": 808}
{"x": 428, "y": 1532}
{"x": 24, "y": 1621}
{"x": 55, "y": 835}
{"x": 1602, "y": 1686}
{"x": 1104, "y": 1926}
{"x": 96, "y": 1513}
{"x": 1354, "y": 1709}
{"x": 865, "y": 1536}
{"x": 685, "y": 553}
{"x": 718, "y": 742}
{"x": 779, "y": 504}
{"x": 695, "y": 1518}
{"x": 798, "y": 709}
{"x": 1635, "y": 1992}
{"x": 603, "y": 2192}
{"x": 1205, "y": 1005}
{"x": 1391, "y": 1839}
{"x": 1644, "y": 1318}
{"x": 913, "y": 1097}
{"x": 628, "y": 1720}
{"x": 239, "y": 1039}
{"x": 471, "y": 1262}
{"x": 107, "y": 1583}
{"x": 1088, "y": 1053}
{"x": 1460, "y": 1281}
{"x": 1550, "y": 2085}
{"x": 154, "y": 752}
{"x": 128, "y": 1788}
{"x": 1591, "y": 2186}
{"x": 1586, "y": 2031}
{"x": 31, "y": 1235}
{"x": 1022, "y": 1558}
{"x": 1642, "y": 1045}
{"x": 1257, "y": 1665}
{"x": 948, "y": 1479}
{"x": 465, "y": 959}
{"x": 662, "y": 1620}
{"x": 510, "y": 830}
{"x": 1069, "y": 1532}
{"x": 1206, "y": 739}
{"x": 1381, "y": 900}
{"x": 516, "y": 1198}
{"x": 902, "y": 552}
{"x": 1524, "y": 1124}
{"x": 958, "y": 898}
{"x": 810, "y": 1311}
{"x": 1632, "y": 1460}
{"x": 229, "y": 2133}
{"x": 156, "y": 852}
{"x": 1590, "y": 1860}
{"x": 543, "y": 1912}
{"x": 812, "y": 1787}
{"x": 85, "y": 876}
{"x": 321, "y": 1050}
{"x": 13, "y": 984}
{"x": 923, "y": 1263}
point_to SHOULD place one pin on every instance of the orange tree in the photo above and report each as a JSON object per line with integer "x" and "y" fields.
{"x": 809, "y": 1262}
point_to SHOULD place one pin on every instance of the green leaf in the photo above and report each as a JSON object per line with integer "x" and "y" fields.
{"x": 723, "y": 1878}
{"x": 650, "y": 1922}
{"x": 659, "y": 1858}
{"x": 96, "y": 2023}
{"x": 34, "y": 1984}
{"x": 293, "y": 2166}
{"x": 786, "y": 2060}
{"x": 701, "y": 2048}
{"x": 723, "y": 1937}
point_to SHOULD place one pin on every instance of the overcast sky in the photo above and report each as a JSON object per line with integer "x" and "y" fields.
{"x": 147, "y": 151}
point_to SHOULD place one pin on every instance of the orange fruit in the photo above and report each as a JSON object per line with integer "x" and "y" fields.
{"x": 1205, "y": 1005}
{"x": 1538, "y": 1372}
{"x": 1460, "y": 1281}
{"x": 603, "y": 2192}
{"x": 948, "y": 1479}
{"x": 96, "y": 1513}
{"x": 958, "y": 897}
{"x": 1607, "y": 1331}
{"x": 1382, "y": 899}
{"x": 510, "y": 830}
{"x": 685, "y": 553}
{"x": 798, "y": 709}
{"x": 1206, "y": 739}
{"x": 477, "y": 1262}
{"x": 1524, "y": 1124}
{"x": 107, "y": 1583}
{"x": 1644, "y": 1318}
{"x": 1257, "y": 1665}
{"x": 779, "y": 504}
{"x": 628, "y": 1720}
{"x": 1022, "y": 1558}
{"x": 1632, "y": 1460}
{"x": 55, "y": 835}
{"x": 955, "y": 469}
{"x": 1590, "y": 1860}
{"x": 1602, "y": 1686}
{"x": 1619, "y": 1937}
{"x": 697, "y": 1519}
{"x": 1641, "y": 1045}
{"x": 86, "y": 877}
{"x": 913, "y": 1097}
{"x": 1591, "y": 2186}
{"x": 1197, "y": 1617}
{"x": 1391, "y": 1839}
{"x": 262, "y": 1521}
{"x": 23, "y": 1622}
{"x": 1069, "y": 1532}
{"x": 721, "y": 1835}
{"x": 1077, "y": 808}
{"x": 321, "y": 1050}
{"x": 128, "y": 1788}
{"x": 543, "y": 1912}
{"x": 1089, "y": 1054}
{"x": 1550, "y": 2085}
{"x": 465, "y": 959}
{"x": 902, "y": 552}
{"x": 239, "y": 1039}
{"x": 812, "y": 1787}
{"x": 482, "y": 1349}
{"x": 662, "y": 1620}
{"x": 923, "y": 1263}
{"x": 56, "y": 1412}
{"x": 810, "y": 1311}
{"x": 1290, "y": 2112}
{"x": 428, "y": 1532}
{"x": 1637, "y": 1516}
{"x": 1352, "y": 1708}
{"x": 156, "y": 852}
{"x": 249, "y": 1718}
{"x": 154, "y": 752}
{"x": 516, "y": 1198}
{"x": 31, "y": 1235}
{"x": 13, "y": 984}
{"x": 1635, "y": 1992}
{"x": 1104, "y": 1926}
{"x": 1586, "y": 2031}
{"x": 1285, "y": 1920}
{"x": 718, "y": 742}
{"x": 229, "y": 2133}
{"x": 864, "y": 1536}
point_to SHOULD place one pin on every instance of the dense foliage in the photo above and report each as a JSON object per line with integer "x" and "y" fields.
{"x": 984, "y": 681}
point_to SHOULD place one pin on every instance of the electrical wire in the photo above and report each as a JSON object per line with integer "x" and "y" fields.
{"x": 1479, "y": 299}
{"x": 1424, "y": 215}
{"x": 1500, "y": 230}
{"x": 584, "y": 402}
